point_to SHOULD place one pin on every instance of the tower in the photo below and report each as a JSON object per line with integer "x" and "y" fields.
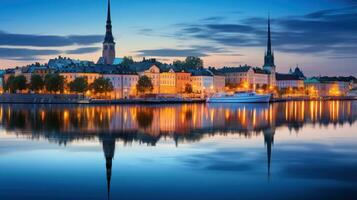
{"x": 269, "y": 63}
{"x": 108, "y": 44}
{"x": 269, "y": 55}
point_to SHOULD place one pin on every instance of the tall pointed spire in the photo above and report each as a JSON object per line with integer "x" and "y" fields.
{"x": 108, "y": 34}
{"x": 108, "y": 55}
{"x": 269, "y": 52}
{"x": 109, "y": 18}
{"x": 269, "y": 63}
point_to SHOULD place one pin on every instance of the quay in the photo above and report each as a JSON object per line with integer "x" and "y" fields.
{"x": 78, "y": 99}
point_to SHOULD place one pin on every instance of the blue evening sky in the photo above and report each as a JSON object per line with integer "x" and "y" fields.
{"x": 319, "y": 35}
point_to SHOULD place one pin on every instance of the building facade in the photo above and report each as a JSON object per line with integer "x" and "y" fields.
{"x": 219, "y": 83}
{"x": 202, "y": 81}
{"x": 168, "y": 82}
{"x": 182, "y": 79}
{"x": 289, "y": 81}
{"x": 124, "y": 84}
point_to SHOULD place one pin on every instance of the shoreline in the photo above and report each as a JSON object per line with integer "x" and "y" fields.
{"x": 75, "y": 99}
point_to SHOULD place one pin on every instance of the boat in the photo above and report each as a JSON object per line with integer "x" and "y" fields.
{"x": 239, "y": 97}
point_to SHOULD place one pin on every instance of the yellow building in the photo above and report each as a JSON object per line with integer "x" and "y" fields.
{"x": 168, "y": 82}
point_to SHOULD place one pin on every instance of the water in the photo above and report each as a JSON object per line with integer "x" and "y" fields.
{"x": 295, "y": 150}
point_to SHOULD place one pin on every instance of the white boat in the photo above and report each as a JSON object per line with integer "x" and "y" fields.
{"x": 239, "y": 97}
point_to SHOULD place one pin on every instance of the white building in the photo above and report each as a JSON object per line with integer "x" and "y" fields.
{"x": 124, "y": 84}
{"x": 289, "y": 81}
{"x": 202, "y": 81}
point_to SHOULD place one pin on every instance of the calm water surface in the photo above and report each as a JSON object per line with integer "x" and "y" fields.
{"x": 295, "y": 150}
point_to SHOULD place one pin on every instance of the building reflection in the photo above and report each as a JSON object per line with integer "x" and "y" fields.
{"x": 181, "y": 123}
{"x": 191, "y": 122}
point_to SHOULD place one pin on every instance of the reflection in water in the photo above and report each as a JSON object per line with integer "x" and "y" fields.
{"x": 148, "y": 124}
{"x": 109, "y": 149}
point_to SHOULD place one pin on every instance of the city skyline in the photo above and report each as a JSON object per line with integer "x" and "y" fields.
{"x": 318, "y": 36}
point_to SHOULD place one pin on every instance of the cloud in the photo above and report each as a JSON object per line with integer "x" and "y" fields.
{"x": 24, "y": 54}
{"x": 331, "y": 32}
{"x": 27, "y": 54}
{"x": 11, "y": 39}
{"x": 184, "y": 51}
{"x": 171, "y": 52}
{"x": 83, "y": 50}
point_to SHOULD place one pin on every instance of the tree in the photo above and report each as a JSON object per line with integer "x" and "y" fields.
{"x": 127, "y": 61}
{"x": 54, "y": 83}
{"x": 179, "y": 64}
{"x": 37, "y": 83}
{"x": 10, "y": 84}
{"x": 20, "y": 82}
{"x": 102, "y": 85}
{"x": 188, "y": 88}
{"x": 79, "y": 85}
{"x": 191, "y": 62}
{"x": 194, "y": 62}
{"x": 144, "y": 85}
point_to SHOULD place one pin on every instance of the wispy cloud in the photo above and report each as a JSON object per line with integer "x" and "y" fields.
{"x": 83, "y": 50}
{"x": 331, "y": 32}
{"x": 11, "y": 39}
{"x": 23, "y": 54}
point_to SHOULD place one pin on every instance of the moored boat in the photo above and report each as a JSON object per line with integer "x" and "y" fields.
{"x": 239, "y": 97}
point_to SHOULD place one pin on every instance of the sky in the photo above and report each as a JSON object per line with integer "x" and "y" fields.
{"x": 320, "y": 36}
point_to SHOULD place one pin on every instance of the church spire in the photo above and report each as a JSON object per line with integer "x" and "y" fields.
{"x": 108, "y": 34}
{"x": 269, "y": 63}
{"x": 109, "y": 18}
{"x": 269, "y": 52}
{"x": 108, "y": 54}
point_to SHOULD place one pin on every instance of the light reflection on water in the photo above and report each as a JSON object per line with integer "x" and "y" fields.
{"x": 192, "y": 151}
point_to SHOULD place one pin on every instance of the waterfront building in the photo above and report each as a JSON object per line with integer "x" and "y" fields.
{"x": 238, "y": 75}
{"x": 183, "y": 77}
{"x": 246, "y": 76}
{"x": 219, "y": 80}
{"x": 168, "y": 82}
{"x": 202, "y": 81}
{"x": 289, "y": 81}
{"x": 219, "y": 83}
{"x": 123, "y": 79}
{"x": 328, "y": 86}
{"x": 151, "y": 69}
{"x": 261, "y": 78}
{"x": 28, "y": 71}
{"x": 124, "y": 83}
{"x": 71, "y": 73}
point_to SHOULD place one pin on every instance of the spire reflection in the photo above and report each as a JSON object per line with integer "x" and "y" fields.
{"x": 191, "y": 122}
